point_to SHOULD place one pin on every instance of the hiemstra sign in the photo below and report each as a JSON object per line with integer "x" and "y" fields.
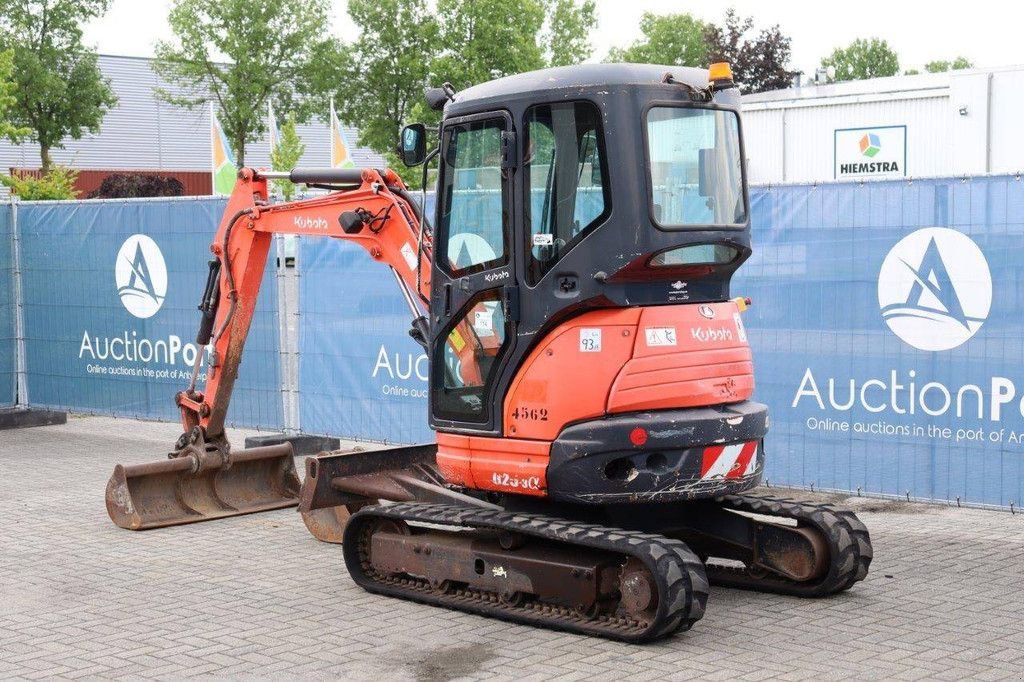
{"x": 878, "y": 152}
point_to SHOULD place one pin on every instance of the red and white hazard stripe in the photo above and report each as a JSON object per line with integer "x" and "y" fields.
{"x": 729, "y": 461}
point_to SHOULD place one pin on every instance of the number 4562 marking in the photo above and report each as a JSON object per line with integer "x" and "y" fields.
{"x": 537, "y": 414}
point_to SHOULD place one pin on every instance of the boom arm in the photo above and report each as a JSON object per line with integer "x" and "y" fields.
{"x": 372, "y": 208}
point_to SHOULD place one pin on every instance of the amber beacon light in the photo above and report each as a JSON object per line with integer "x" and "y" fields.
{"x": 720, "y": 74}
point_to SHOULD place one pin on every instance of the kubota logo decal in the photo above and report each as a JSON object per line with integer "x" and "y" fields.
{"x": 935, "y": 289}
{"x": 709, "y": 334}
{"x": 141, "y": 276}
{"x": 305, "y": 223}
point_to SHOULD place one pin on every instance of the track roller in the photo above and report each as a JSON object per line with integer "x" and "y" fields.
{"x": 530, "y": 569}
{"x": 784, "y": 546}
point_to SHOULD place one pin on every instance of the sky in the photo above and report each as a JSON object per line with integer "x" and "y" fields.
{"x": 987, "y": 32}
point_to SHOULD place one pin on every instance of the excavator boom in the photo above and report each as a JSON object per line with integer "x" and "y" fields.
{"x": 203, "y": 478}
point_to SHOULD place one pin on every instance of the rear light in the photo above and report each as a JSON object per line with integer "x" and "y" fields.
{"x": 638, "y": 436}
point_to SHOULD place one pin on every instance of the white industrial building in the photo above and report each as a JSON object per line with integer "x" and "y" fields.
{"x": 944, "y": 124}
{"x": 143, "y": 133}
{"x": 954, "y": 123}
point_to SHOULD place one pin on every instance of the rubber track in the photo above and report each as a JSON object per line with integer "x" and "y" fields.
{"x": 848, "y": 540}
{"x": 682, "y": 584}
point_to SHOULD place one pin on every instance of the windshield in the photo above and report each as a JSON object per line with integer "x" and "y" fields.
{"x": 696, "y": 174}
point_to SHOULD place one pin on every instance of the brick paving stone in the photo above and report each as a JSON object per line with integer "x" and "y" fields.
{"x": 256, "y": 596}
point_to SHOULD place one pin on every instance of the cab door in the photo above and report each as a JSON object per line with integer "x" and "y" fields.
{"x": 473, "y": 288}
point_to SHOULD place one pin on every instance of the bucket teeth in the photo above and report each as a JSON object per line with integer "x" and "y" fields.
{"x": 169, "y": 492}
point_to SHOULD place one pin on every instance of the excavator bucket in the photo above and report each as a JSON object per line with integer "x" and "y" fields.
{"x": 172, "y": 492}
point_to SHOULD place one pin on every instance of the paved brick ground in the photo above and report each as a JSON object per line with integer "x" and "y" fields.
{"x": 258, "y": 597}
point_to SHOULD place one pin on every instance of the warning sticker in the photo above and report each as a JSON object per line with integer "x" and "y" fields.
{"x": 543, "y": 239}
{"x": 590, "y": 340}
{"x": 455, "y": 338}
{"x": 660, "y": 336}
{"x": 410, "y": 256}
{"x": 739, "y": 327}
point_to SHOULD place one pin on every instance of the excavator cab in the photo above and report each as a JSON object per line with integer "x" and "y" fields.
{"x": 572, "y": 202}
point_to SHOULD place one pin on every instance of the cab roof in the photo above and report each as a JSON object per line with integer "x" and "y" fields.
{"x": 577, "y": 77}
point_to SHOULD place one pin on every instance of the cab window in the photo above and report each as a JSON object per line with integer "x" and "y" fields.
{"x": 474, "y": 212}
{"x": 566, "y": 178}
{"x": 473, "y": 344}
{"x": 696, "y": 168}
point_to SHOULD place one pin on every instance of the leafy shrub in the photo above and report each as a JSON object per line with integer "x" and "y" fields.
{"x": 136, "y": 185}
{"x": 58, "y": 184}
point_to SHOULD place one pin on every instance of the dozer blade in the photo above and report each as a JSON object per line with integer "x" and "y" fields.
{"x": 169, "y": 493}
{"x": 338, "y": 484}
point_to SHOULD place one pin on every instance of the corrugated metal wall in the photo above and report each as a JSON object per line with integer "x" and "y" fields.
{"x": 195, "y": 183}
{"x": 1005, "y": 114}
{"x": 143, "y": 133}
{"x": 957, "y": 123}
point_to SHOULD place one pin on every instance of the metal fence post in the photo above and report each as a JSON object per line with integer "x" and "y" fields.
{"x": 288, "y": 376}
{"x": 20, "y": 368}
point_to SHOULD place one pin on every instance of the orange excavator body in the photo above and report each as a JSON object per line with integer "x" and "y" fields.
{"x": 588, "y": 366}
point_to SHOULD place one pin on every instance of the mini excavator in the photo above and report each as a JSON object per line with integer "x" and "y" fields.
{"x": 590, "y": 376}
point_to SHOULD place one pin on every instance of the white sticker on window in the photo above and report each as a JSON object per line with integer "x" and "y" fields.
{"x": 543, "y": 239}
{"x": 660, "y": 336}
{"x": 590, "y": 340}
{"x": 483, "y": 322}
{"x": 409, "y": 255}
{"x": 739, "y": 328}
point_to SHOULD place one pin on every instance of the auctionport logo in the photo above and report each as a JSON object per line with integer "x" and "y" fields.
{"x": 935, "y": 289}
{"x": 141, "y": 276}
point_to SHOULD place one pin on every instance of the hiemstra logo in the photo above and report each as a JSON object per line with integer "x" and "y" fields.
{"x": 935, "y": 289}
{"x": 141, "y": 276}
{"x": 873, "y": 152}
{"x": 870, "y": 145}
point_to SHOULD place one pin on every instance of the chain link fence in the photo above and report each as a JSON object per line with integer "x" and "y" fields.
{"x": 8, "y": 309}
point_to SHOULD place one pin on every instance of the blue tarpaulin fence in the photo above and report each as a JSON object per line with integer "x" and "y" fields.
{"x": 8, "y": 310}
{"x": 890, "y": 351}
{"x": 885, "y": 328}
{"x": 360, "y": 374}
{"x": 818, "y": 323}
{"x": 110, "y": 294}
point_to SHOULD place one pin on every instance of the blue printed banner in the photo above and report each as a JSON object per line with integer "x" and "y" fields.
{"x": 886, "y": 331}
{"x": 8, "y": 347}
{"x": 360, "y": 374}
{"x": 111, "y": 290}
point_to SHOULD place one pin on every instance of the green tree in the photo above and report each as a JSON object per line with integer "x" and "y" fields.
{"x": 567, "y": 36}
{"x": 402, "y": 49}
{"x": 59, "y": 90}
{"x": 382, "y": 74}
{"x": 487, "y": 39}
{"x": 759, "y": 62}
{"x": 942, "y": 65}
{"x": 863, "y": 58}
{"x": 667, "y": 39}
{"x": 286, "y": 155}
{"x": 7, "y": 100}
{"x": 242, "y": 54}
